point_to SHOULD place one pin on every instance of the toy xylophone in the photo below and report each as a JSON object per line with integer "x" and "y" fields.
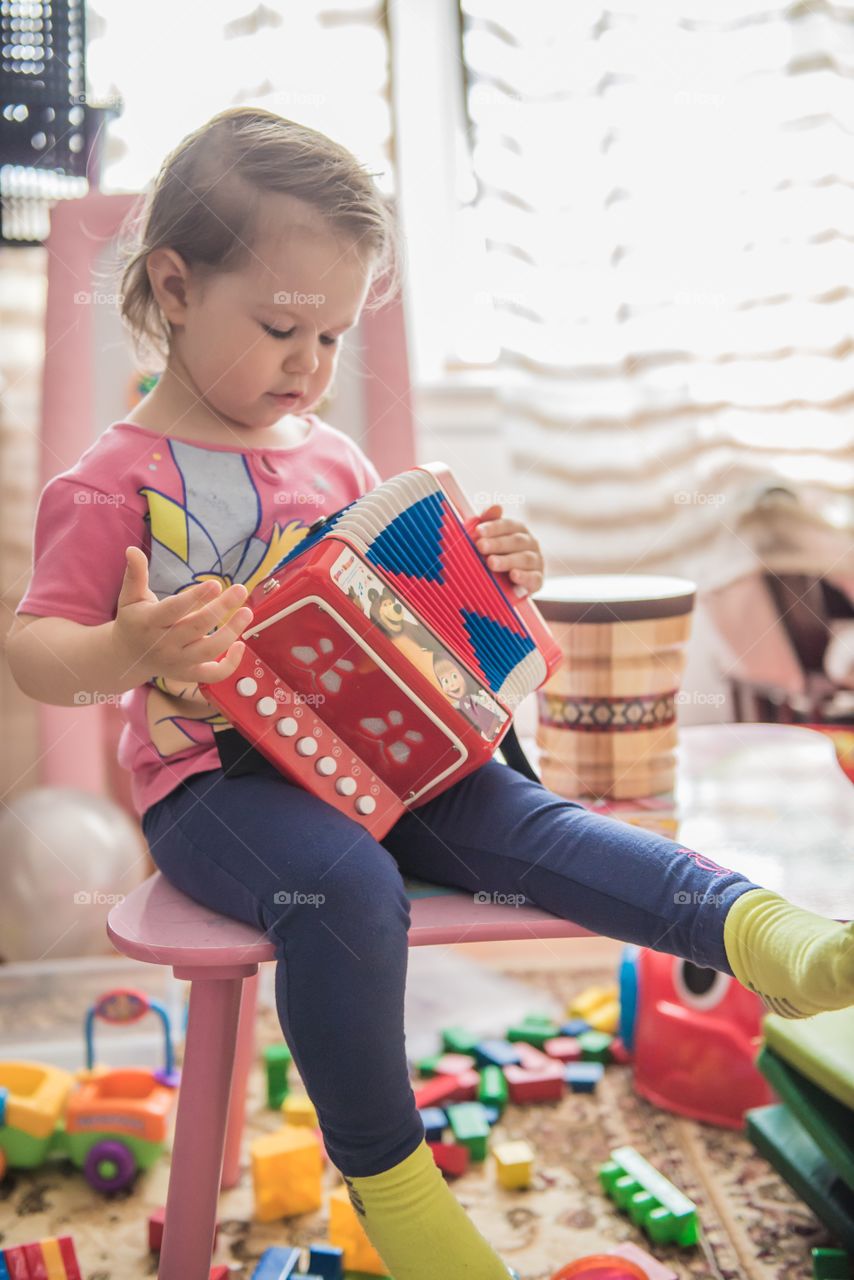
{"x": 384, "y": 659}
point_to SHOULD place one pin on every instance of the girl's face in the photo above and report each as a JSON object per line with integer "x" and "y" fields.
{"x": 451, "y": 679}
{"x": 242, "y": 339}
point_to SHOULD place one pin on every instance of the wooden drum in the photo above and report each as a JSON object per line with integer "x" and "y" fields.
{"x": 607, "y": 717}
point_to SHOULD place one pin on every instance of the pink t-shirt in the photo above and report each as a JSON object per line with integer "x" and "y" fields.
{"x": 198, "y": 511}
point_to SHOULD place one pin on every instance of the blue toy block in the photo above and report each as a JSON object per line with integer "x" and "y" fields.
{"x": 575, "y": 1027}
{"x": 4, "y": 1094}
{"x": 583, "y": 1077}
{"x": 4, "y": 1270}
{"x": 326, "y": 1261}
{"x": 498, "y": 1053}
{"x": 491, "y": 1114}
{"x": 277, "y": 1264}
{"x": 435, "y": 1122}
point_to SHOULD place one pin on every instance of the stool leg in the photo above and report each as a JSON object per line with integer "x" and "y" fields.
{"x": 243, "y": 1059}
{"x": 194, "y": 1178}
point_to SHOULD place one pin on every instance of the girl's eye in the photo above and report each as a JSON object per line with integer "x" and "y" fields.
{"x": 326, "y": 339}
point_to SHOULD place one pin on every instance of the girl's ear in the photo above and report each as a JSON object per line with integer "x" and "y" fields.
{"x": 169, "y": 277}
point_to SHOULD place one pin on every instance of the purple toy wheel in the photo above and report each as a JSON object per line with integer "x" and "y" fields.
{"x": 109, "y": 1166}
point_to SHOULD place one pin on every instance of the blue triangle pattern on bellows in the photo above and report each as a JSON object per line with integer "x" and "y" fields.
{"x": 497, "y": 649}
{"x": 309, "y": 539}
{"x": 412, "y": 542}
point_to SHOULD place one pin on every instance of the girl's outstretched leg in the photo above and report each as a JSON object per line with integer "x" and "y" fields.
{"x": 498, "y": 832}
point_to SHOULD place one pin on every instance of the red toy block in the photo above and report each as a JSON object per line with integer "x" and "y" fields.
{"x": 155, "y": 1230}
{"x": 531, "y": 1058}
{"x": 563, "y": 1049}
{"x": 452, "y": 1064}
{"x": 16, "y": 1263}
{"x": 619, "y": 1052}
{"x": 69, "y": 1257}
{"x": 219, "y": 1273}
{"x": 451, "y": 1157}
{"x": 435, "y": 1091}
{"x": 467, "y": 1085}
{"x": 36, "y": 1265}
{"x": 535, "y": 1086}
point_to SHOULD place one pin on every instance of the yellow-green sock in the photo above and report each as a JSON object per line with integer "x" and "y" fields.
{"x": 798, "y": 962}
{"x": 417, "y": 1225}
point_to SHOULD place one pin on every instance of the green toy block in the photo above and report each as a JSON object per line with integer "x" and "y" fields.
{"x": 492, "y": 1090}
{"x": 470, "y": 1127}
{"x": 595, "y": 1046}
{"x": 785, "y": 1143}
{"x": 827, "y": 1121}
{"x": 277, "y": 1060}
{"x": 832, "y": 1264}
{"x": 651, "y": 1200}
{"x": 534, "y": 1029}
{"x": 458, "y": 1040}
{"x": 426, "y": 1067}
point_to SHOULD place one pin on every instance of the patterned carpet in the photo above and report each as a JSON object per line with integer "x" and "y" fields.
{"x": 753, "y": 1226}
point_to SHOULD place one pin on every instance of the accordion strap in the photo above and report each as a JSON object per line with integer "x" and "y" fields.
{"x": 514, "y": 755}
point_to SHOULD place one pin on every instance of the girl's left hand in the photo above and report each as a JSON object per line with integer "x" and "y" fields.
{"x": 508, "y": 546}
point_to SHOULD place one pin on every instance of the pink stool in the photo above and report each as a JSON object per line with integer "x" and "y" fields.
{"x": 220, "y": 957}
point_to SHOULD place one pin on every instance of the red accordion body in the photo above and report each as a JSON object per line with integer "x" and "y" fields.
{"x": 385, "y": 660}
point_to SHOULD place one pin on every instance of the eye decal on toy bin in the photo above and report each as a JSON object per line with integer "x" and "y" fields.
{"x": 697, "y": 987}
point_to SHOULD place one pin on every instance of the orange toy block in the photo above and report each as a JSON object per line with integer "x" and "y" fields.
{"x": 346, "y": 1232}
{"x": 286, "y": 1173}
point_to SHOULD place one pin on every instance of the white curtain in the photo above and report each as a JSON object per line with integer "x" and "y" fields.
{"x": 665, "y": 190}
{"x": 173, "y": 66}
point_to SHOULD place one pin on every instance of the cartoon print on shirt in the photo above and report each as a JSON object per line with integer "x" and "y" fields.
{"x": 192, "y": 541}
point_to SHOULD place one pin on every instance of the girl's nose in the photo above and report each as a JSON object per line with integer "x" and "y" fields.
{"x": 302, "y": 358}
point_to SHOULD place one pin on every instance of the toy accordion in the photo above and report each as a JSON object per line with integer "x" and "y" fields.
{"x": 385, "y": 659}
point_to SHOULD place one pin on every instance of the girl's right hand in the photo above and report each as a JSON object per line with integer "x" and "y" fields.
{"x": 170, "y": 637}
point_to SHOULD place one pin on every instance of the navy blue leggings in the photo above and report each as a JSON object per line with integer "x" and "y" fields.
{"x": 240, "y": 845}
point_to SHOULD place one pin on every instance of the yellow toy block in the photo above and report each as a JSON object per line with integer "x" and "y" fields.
{"x": 286, "y": 1173}
{"x": 514, "y": 1163}
{"x": 298, "y": 1109}
{"x": 53, "y": 1260}
{"x": 606, "y": 1017}
{"x": 598, "y": 1006}
{"x": 346, "y": 1232}
{"x": 38, "y": 1094}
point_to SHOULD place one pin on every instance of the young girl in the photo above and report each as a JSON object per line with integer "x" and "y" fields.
{"x": 256, "y": 249}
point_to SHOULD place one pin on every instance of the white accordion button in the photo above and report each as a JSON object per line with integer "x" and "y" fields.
{"x": 246, "y": 686}
{"x": 345, "y": 786}
{"x": 287, "y": 726}
{"x": 326, "y": 765}
{"x": 306, "y": 746}
{"x": 266, "y": 706}
{"x": 366, "y": 804}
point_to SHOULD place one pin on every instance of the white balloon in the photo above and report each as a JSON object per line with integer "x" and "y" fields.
{"x": 66, "y": 858}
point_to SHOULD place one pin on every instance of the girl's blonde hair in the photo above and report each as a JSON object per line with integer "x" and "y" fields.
{"x": 205, "y": 204}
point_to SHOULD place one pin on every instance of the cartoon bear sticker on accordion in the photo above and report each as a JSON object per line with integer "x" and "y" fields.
{"x": 385, "y": 660}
